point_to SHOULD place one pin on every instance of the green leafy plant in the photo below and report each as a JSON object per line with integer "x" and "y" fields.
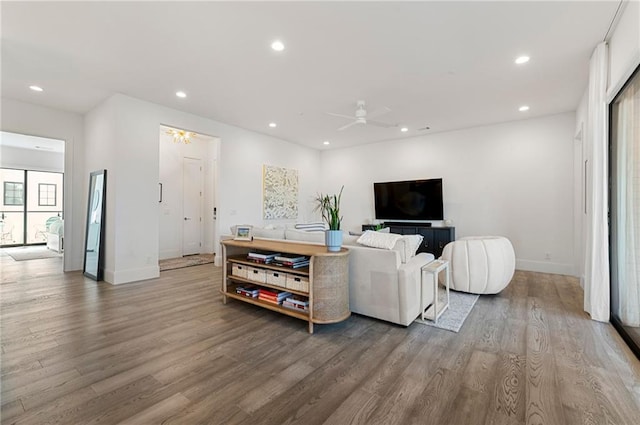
{"x": 329, "y": 207}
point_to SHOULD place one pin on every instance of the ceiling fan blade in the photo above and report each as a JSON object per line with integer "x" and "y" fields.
{"x": 350, "y": 117}
{"x": 344, "y": 127}
{"x": 381, "y": 124}
{"x": 378, "y": 112}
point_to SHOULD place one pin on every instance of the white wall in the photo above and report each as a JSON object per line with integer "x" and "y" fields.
{"x": 171, "y": 176}
{"x": 100, "y": 144}
{"x": 26, "y": 118}
{"x": 513, "y": 179}
{"x": 133, "y": 226}
{"x": 32, "y": 159}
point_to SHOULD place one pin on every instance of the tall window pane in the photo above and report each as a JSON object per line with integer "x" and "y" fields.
{"x": 625, "y": 210}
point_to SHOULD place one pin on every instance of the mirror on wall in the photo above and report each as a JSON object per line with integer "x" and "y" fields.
{"x": 94, "y": 236}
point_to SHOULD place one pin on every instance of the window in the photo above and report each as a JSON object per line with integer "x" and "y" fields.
{"x": 47, "y": 194}
{"x": 13, "y": 193}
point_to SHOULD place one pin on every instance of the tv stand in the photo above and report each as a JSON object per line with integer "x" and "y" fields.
{"x": 404, "y": 223}
{"x": 435, "y": 238}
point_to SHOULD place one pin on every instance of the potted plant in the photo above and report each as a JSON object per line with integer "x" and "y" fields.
{"x": 329, "y": 207}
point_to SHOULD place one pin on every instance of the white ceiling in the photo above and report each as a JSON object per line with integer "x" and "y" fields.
{"x": 446, "y": 65}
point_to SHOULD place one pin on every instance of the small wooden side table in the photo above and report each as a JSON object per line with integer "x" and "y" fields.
{"x": 435, "y": 310}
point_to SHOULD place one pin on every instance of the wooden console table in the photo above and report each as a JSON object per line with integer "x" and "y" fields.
{"x": 327, "y": 276}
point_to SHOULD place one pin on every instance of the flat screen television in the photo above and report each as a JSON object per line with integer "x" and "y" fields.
{"x": 409, "y": 200}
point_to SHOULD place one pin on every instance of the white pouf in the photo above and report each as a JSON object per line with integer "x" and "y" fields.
{"x": 480, "y": 265}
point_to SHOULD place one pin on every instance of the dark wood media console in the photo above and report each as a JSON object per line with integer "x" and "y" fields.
{"x": 435, "y": 238}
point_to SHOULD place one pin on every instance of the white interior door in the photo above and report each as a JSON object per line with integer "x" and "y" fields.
{"x": 192, "y": 206}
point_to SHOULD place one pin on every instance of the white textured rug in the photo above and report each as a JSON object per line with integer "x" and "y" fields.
{"x": 24, "y": 253}
{"x": 460, "y": 305}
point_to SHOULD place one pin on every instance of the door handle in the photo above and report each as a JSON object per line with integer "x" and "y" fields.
{"x": 187, "y": 218}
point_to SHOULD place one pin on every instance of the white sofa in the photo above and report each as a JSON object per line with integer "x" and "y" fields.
{"x": 383, "y": 283}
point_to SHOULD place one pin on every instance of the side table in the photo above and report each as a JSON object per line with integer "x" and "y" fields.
{"x": 435, "y": 310}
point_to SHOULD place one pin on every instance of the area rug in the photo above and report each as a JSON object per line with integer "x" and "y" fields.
{"x": 460, "y": 305}
{"x": 188, "y": 261}
{"x": 24, "y": 253}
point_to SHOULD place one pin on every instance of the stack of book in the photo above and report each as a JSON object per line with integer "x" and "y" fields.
{"x": 296, "y": 302}
{"x": 251, "y": 291}
{"x": 273, "y": 296}
{"x": 291, "y": 260}
{"x": 262, "y": 257}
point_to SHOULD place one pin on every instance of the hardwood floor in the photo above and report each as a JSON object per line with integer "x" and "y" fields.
{"x": 168, "y": 351}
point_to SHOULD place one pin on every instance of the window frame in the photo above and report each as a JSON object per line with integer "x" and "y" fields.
{"x": 5, "y": 191}
{"x": 55, "y": 194}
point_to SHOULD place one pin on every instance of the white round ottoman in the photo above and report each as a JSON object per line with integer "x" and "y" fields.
{"x": 481, "y": 264}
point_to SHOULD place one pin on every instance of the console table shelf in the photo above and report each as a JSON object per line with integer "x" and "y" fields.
{"x": 327, "y": 274}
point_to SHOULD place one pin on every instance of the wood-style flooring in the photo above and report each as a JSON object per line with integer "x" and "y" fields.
{"x": 167, "y": 351}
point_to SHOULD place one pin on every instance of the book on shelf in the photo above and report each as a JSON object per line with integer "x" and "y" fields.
{"x": 274, "y": 292}
{"x": 298, "y": 299}
{"x": 297, "y": 265}
{"x": 248, "y": 290}
{"x": 262, "y": 255}
{"x": 271, "y": 300}
{"x": 293, "y": 306}
{"x": 273, "y": 296}
{"x": 260, "y": 260}
{"x": 290, "y": 258}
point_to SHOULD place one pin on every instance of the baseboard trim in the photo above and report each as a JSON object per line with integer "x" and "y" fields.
{"x": 132, "y": 275}
{"x": 545, "y": 267}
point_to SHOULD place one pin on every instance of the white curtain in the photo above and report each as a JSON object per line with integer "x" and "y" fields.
{"x": 596, "y": 284}
{"x": 627, "y": 131}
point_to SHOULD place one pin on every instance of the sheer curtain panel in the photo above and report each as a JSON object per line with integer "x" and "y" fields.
{"x": 626, "y": 132}
{"x": 596, "y": 287}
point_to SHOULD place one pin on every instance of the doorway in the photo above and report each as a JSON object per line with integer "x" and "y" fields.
{"x": 186, "y": 199}
{"x": 31, "y": 191}
{"x": 624, "y": 210}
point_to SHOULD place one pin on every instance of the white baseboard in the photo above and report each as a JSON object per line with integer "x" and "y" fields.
{"x": 133, "y": 275}
{"x": 169, "y": 253}
{"x": 545, "y": 267}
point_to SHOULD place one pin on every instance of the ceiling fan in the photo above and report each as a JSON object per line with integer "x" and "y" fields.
{"x": 361, "y": 117}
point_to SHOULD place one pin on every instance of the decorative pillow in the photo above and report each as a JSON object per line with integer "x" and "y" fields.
{"x": 411, "y": 245}
{"x": 384, "y": 230}
{"x": 379, "y": 240}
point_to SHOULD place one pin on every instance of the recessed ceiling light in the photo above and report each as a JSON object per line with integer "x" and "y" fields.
{"x": 404, "y": 129}
{"x": 523, "y": 108}
{"x": 522, "y": 59}
{"x": 36, "y": 88}
{"x": 326, "y": 142}
{"x": 181, "y": 94}
{"x": 277, "y": 45}
{"x": 273, "y": 125}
